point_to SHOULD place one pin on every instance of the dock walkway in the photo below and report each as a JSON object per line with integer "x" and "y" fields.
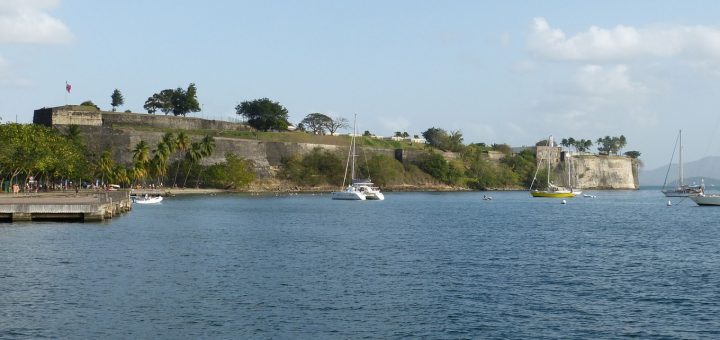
{"x": 84, "y": 206}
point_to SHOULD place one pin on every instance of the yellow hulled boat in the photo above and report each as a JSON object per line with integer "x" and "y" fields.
{"x": 552, "y": 190}
{"x": 552, "y": 194}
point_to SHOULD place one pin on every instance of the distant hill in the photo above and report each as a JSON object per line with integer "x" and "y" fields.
{"x": 707, "y": 168}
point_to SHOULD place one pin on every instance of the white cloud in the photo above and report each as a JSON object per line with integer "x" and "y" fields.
{"x": 598, "y": 80}
{"x": 623, "y": 42}
{"x": 596, "y": 98}
{"x": 27, "y": 21}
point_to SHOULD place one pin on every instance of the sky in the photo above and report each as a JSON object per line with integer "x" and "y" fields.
{"x": 510, "y": 72}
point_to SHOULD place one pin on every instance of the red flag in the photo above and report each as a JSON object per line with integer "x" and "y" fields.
{"x": 67, "y": 87}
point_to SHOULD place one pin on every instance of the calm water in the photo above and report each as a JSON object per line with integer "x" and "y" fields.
{"x": 418, "y": 265}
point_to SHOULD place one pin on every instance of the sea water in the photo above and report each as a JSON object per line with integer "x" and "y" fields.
{"x": 417, "y": 265}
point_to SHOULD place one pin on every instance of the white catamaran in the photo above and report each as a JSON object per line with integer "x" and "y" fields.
{"x": 358, "y": 189}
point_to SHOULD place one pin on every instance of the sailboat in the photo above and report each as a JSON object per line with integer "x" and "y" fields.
{"x": 358, "y": 189}
{"x": 681, "y": 190}
{"x": 551, "y": 190}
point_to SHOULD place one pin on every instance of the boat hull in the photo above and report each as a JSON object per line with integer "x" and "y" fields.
{"x": 706, "y": 199}
{"x": 149, "y": 200}
{"x": 375, "y": 196}
{"x": 552, "y": 194}
{"x": 681, "y": 193}
{"x": 348, "y": 196}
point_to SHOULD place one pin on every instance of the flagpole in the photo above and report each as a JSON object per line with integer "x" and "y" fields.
{"x": 66, "y": 92}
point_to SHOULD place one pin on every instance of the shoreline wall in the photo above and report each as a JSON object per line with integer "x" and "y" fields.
{"x": 114, "y": 131}
{"x": 89, "y": 116}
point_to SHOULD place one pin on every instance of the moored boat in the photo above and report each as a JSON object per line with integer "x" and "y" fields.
{"x": 553, "y": 193}
{"x": 369, "y": 189}
{"x": 682, "y": 190}
{"x": 551, "y": 190}
{"x": 359, "y": 189}
{"x": 147, "y": 199}
{"x": 703, "y": 199}
{"x": 350, "y": 194}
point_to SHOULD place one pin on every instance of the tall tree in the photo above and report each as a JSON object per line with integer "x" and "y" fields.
{"x": 159, "y": 162}
{"x": 611, "y": 145}
{"x": 183, "y": 143}
{"x": 120, "y": 175}
{"x": 104, "y": 166}
{"x": 316, "y": 123}
{"x": 336, "y": 123}
{"x": 207, "y": 146}
{"x": 153, "y": 103}
{"x": 117, "y": 99}
{"x": 193, "y": 156}
{"x": 178, "y": 101}
{"x": 141, "y": 158}
{"x": 264, "y": 114}
{"x": 191, "y": 101}
{"x": 435, "y": 137}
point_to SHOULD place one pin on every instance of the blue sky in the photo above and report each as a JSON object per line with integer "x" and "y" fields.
{"x": 499, "y": 71}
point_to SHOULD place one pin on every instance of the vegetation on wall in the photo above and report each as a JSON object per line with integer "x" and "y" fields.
{"x": 441, "y": 139}
{"x": 234, "y": 173}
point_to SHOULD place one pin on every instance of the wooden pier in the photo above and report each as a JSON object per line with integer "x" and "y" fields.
{"x": 84, "y": 206}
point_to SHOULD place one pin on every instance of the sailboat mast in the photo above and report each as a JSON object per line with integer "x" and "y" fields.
{"x": 680, "y": 163}
{"x": 569, "y": 169}
{"x": 550, "y": 144}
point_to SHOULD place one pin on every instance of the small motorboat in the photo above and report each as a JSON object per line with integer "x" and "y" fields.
{"x": 147, "y": 199}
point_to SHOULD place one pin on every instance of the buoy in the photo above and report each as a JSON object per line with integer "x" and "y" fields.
{"x": 563, "y": 202}
{"x": 669, "y": 203}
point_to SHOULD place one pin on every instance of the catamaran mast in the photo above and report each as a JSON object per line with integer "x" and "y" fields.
{"x": 352, "y": 142}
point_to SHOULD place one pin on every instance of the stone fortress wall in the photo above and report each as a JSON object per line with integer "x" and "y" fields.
{"x": 89, "y": 116}
{"x": 114, "y": 131}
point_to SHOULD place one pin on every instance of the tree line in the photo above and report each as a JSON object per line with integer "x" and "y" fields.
{"x": 44, "y": 157}
{"x": 605, "y": 145}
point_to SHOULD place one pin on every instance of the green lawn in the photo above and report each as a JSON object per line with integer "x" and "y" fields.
{"x": 288, "y": 137}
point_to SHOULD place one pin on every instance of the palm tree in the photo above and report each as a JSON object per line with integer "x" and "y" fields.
{"x": 104, "y": 166}
{"x": 158, "y": 167}
{"x": 161, "y": 155}
{"x": 138, "y": 172}
{"x": 182, "y": 142}
{"x": 141, "y": 157}
{"x": 170, "y": 141}
{"x": 193, "y": 155}
{"x": 120, "y": 174}
{"x": 207, "y": 146}
{"x": 141, "y": 153}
